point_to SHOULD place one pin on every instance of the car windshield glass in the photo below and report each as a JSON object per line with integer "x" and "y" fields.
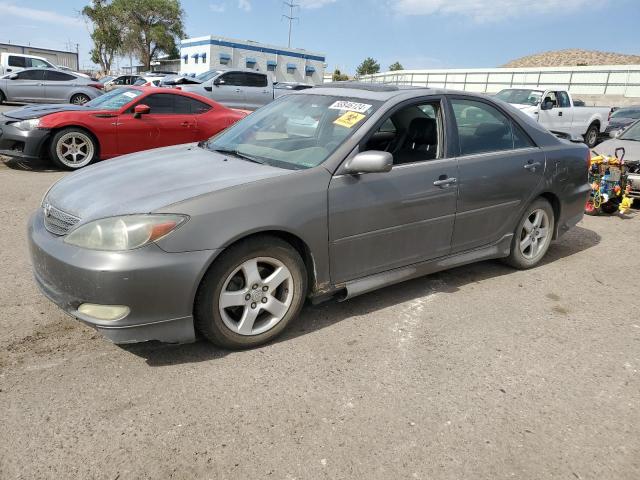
{"x": 632, "y": 133}
{"x": 296, "y": 131}
{"x": 115, "y": 99}
{"x": 520, "y": 96}
{"x": 627, "y": 113}
{"x": 208, "y": 75}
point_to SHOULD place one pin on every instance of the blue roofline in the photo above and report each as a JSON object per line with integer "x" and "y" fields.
{"x": 254, "y": 48}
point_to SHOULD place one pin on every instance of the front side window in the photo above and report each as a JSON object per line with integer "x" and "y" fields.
{"x": 115, "y": 99}
{"x": 234, "y": 79}
{"x": 411, "y": 134}
{"x": 30, "y": 75}
{"x": 295, "y": 131}
{"x": 159, "y": 103}
{"x": 483, "y": 128}
{"x": 15, "y": 61}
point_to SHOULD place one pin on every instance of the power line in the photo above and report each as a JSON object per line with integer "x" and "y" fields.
{"x": 290, "y": 17}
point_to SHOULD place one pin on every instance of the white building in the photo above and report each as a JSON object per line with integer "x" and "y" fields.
{"x": 200, "y": 54}
{"x": 602, "y": 84}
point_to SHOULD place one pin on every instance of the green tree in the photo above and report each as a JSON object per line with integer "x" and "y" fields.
{"x": 367, "y": 67}
{"x": 151, "y": 27}
{"x": 395, "y": 66}
{"x": 106, "y": 33}
{"x": 339, "y": 76}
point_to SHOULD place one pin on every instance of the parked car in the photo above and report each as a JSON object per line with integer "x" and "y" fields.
{"x": 120, "y": 81}
{"x": 555, "y": 110}
{"x": 46, "y": 85}
{"x": 123, "y": 121}
{"x": 629, "y": 140}
{"x": 283, "y": 88}
{"x": 67, "y": 69}
{"x": 233, "y": 88}
{"x": 228, "y": 237}
{"x": 14, "y": 62}
{"x": 620, "y": 119}
{"x": 148, "y": 81}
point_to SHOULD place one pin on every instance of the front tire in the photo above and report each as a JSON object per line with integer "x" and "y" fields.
{"x": 251, "y": 293}
{"x": 591, "y": 137}
{"x": 79, "y": 99}
{"x": 533, "y": 235}
{"x": 72, "y": 148}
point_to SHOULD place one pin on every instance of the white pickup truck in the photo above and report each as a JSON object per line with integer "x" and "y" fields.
{"x": 14, "y": 62}
{"x": 555, "y": 110}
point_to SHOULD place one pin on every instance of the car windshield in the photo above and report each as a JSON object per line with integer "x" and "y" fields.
{"x": 632, "y": 133}
{"x": 115, "y": 99}
{"x": 203, "y": 77}
{"x": 296, "y": 131}
{"x": 520, "y": 96}
{"x": 627, "y": 113}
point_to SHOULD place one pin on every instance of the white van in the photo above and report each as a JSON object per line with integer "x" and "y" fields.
{"x": 14, "y": 62}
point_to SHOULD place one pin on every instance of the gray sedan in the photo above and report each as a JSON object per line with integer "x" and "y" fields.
{"x": 229, "y": 237}
{"x": 47, "y": 85}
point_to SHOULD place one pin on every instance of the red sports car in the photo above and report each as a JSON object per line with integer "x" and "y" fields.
{"x": 122, "y": 121}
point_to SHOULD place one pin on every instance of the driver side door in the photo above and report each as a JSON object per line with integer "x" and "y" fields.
{"x": 28, "y": 86}
{"x": 227, "y": 89}
{"x": 382, "y": 221}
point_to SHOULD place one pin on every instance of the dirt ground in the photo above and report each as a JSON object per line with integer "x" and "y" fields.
{"x": 481, "y": 372}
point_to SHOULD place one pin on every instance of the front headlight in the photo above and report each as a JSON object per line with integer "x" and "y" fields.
{"x": 124, "y": 233}
{"x": 28, "y": 124}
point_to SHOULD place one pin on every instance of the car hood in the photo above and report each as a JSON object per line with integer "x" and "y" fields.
{"x": 37, "y": 111}
{"x": 144, "y": 182}
{"x": 631, "y": 148}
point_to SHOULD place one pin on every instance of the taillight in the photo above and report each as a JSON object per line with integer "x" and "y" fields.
{"x": 588, "y": 159}
{"x": 99, "y": 86}
{"x": 178, "y": 88}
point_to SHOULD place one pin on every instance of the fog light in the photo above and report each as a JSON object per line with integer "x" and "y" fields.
{"x": 104, "y": 312}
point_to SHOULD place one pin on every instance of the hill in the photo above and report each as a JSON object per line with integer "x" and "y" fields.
{"x": 572, "y": 58}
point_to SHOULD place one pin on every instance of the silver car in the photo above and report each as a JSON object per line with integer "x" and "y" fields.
{"x": 47, "y": 85}
{"x": 229, "y": 237}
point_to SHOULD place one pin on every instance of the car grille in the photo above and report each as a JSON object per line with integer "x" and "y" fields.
{"x": 57, "y": 221}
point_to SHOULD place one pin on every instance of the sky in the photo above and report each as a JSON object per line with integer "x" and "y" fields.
{"x": 417, "y": 33}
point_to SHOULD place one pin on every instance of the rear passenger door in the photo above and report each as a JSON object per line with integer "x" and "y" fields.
{"x": 499, "y": 171}
{"x": 256, "y": 90}
{"x": 28, "y": 86}
{"x": 57, "y": 86}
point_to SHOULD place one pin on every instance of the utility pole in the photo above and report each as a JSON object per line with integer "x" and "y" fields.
{"x": 290, "y": 17}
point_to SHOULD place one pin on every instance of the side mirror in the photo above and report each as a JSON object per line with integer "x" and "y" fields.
{"x": 616, "y": 133}
{"x": 140, "y": 110}
{"x": 13, "y": 76}
{"x": 208, "y": 88}
{"x": 219, "y": 81}
{"x": 546, "y": 105}
{"x": 372, "y": 161}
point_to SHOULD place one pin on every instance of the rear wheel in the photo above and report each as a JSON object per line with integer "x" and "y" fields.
{"x": 251, "y": 293}
{"x": 72, "y": 148}
{"x": 79, "y": 99}
{"x": 533, "y": 235}
{"x": 591, "y": 137}
{"x": 2, "y": 98}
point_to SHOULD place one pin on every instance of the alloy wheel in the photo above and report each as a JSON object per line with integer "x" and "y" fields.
{"x": 75, "y": 149}
{"x": 256, "y": 296}
{"x": 535, "y": 234}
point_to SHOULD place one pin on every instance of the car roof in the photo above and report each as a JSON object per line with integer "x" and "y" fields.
{"x": 175, "y": 91}
{"x": 379, "y": 91}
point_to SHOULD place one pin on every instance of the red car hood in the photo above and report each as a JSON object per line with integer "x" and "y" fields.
{"x": 37, "y": 111}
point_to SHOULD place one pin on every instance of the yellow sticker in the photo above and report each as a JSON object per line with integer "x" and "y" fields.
{"x": 349, "y": 119}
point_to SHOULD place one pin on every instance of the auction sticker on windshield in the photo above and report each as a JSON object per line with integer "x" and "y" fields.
{"x": 351, "y": 106}
{"x": 349, "y": 119}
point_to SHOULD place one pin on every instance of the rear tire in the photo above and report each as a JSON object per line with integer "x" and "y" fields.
{"x": 73, "y": 148}
{"x": 591, "y": 137}
{"x": 79, "y": 99}
{"x": 532, "y": 236}
{"x": 2, "y": 98}
{"x": 251, "y": 293}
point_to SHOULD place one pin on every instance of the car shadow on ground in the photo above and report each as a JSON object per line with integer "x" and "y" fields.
{"x": 313, "y": 318}
{"x": 40, "y": 165}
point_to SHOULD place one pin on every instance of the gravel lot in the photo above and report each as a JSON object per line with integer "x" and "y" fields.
{"x": 481, "y": 372}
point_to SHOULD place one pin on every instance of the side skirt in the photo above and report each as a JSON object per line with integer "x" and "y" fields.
{"x": 351, "y": 289}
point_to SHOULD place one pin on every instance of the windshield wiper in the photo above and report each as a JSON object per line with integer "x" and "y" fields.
{"x": 235, "y": 153}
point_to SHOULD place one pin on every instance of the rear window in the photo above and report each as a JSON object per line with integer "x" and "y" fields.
{"x": 54, "y": 76}
{"x": 15, "y": 61}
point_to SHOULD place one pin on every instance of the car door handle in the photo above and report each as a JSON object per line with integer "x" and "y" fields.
{"x": 238, "y": 90}
{"x": 532, "y": 166}
{"x": 559, "y": 114}
{"x": 185, "y": 124}
{"x": 445, "y": 182}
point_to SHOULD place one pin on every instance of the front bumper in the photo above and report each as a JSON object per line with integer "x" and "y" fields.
{"x": 158, "y": 287}
{"x": 26, "y": 144}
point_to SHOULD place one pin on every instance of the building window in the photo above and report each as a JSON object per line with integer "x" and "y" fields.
{"x": 225, "y": 58}
{"x": 251, "y": 62}
{"x": 291, "y": 67}
{"x": 309, "y": 70}
{"x": 186, "y": 59}
{"x": 271, "y": 65}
